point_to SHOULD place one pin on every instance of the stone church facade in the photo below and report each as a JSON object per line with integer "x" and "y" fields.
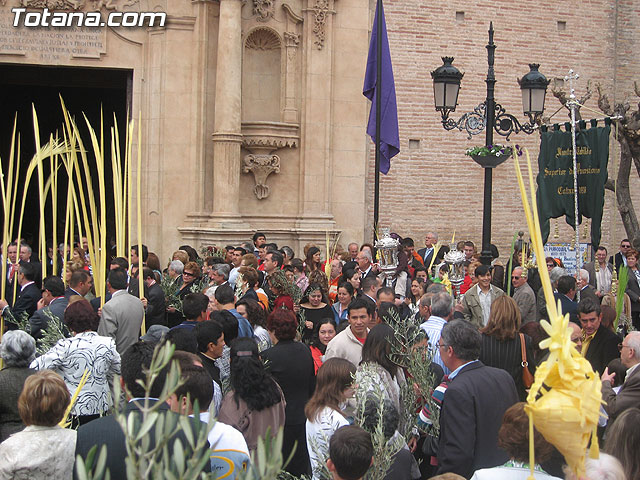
{"x": 253, "y": 115}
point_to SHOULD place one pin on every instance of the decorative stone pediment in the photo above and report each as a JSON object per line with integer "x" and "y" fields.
{"x": 262, "y": 139}
{"x": 90, "y": 5}
{"x": 269, "y": 136}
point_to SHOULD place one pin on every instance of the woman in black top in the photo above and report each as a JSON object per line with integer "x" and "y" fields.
{"x": 291, "y": 364}
{"x": 501, "y": 347}
{"x": 314, "y": 308}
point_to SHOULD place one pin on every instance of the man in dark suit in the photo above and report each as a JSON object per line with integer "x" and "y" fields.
{"x": 599, "y": 344}
{"x": 53, "y": 302}
{"x": 156, "y": 310}
{"x": 566, "y": 294}
{"x": 620, "y": 258}
{"x": 474, "y": 403}
{"x": 210, "y": 336}
{"x": 107, "y": 431}
{"x": 584, "y": 287}
{"x": 79, "y": 284}
{"x": 365, "y": 266}
{"x": 629, "y": 394}
{"x": 26, "y": 299}
{"x": 26, "y": 256}
{"x": 430, "y": 239}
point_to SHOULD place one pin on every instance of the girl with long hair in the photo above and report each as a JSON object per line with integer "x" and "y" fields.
{"x": 324, "y": 411}
{"x": 254, "y": 401}
{"x": 325, "y": 330}
{"x": 378, "y": 367}
{"x": 312, "y": 260}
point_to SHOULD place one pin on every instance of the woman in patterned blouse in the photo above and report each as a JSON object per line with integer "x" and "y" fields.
{"x": 85, "y": 350}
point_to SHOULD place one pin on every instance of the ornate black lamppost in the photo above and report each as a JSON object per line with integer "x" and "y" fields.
{"x": 488, "y": 116}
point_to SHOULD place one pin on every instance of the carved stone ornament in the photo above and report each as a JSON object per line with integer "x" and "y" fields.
{"x": 291, "y": 39}
{"x": 320, "y": 11}
{"x": 261, "y": 166}
{"x": 263, "y": 9}
{"x": 262, "y": 139}
{"x": 91, "y": 5}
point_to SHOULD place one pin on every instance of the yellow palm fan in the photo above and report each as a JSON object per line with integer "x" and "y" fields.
{"x": 564, "y": 400}
{"x": 66, "y": 421}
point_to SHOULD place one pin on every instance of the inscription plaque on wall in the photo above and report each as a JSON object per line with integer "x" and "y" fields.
{"x": 49, "y": 44}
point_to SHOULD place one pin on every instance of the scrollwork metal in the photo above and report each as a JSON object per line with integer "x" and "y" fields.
{"x": 473, "y": 122}
{"x": 506, "y": 124}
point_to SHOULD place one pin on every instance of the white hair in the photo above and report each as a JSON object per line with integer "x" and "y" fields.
{"x": 18, "y": 348}
{"x": 177, "y": 266}
{"x": 606, "y": 467}
{"x": 584, "y": 275}
{"x": 633, "y": 341}
{"x": 435, "y": 235}
{"x": 367, "y": 254}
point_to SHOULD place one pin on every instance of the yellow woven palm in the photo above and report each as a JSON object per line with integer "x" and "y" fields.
{"x": 564, "y": 400}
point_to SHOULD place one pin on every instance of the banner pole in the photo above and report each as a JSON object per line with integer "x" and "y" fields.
{"x": 376, "y": 194}
{"x": 572, "y": 104}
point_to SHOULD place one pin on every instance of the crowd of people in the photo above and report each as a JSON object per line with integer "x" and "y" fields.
{"x": 267, "y": 340}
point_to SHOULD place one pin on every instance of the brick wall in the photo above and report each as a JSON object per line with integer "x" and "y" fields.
{"x": 435, "y": 186}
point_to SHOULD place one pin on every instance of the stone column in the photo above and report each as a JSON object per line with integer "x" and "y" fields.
{"x": 227, "y": 135}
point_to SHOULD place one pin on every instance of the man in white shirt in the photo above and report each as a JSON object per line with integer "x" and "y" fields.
{"x": 441, "y": 313}
{"x": 476, "y": 304}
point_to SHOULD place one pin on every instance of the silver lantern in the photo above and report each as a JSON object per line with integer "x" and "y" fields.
{"x": 455, "y": 260}
{"x": 387, "y": 247}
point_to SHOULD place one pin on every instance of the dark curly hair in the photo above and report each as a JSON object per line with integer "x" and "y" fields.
{"x": 282, "y": 322}
{"x": 256, "y": 314}
{"x": 249, "y": 379}
{"x": 81, "y": 317}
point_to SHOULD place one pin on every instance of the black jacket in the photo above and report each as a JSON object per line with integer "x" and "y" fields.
{"x": 291, "y": 364}
{"x": 602, "y": 349}
{"x": 156, "y": 306}
{"x": 107, "y": 431}
{"x": 26, "y": 301}
{"x": 471, "y": 415}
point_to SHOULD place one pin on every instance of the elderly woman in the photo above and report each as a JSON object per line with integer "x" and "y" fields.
{"x": 17, "y": 350}
{"x": 43, "y": 450}
{"x": 85, "y": 350}
{"x": 513, "y": 438}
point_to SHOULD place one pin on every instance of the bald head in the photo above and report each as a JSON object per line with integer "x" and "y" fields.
{"x": 576, "y": 335}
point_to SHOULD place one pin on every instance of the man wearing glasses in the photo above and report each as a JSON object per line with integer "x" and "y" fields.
{"x": 620, "y": 258}
{"x": 629, "y": 394}
{"x": 474, "y": 403}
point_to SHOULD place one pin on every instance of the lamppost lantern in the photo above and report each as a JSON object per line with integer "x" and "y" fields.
{"x": 534, "y": 90}
{"x": 488, "y": 117}
{"x": 446, "y": 85}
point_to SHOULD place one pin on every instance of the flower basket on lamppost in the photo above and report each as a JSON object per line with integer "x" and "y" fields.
{"x": 491, "y": 156}
{"x": 487, "y": 117}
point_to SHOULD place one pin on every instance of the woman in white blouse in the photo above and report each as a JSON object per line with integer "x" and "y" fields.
{"x": 324, "y": 410}
{"x": 85, "y": 350}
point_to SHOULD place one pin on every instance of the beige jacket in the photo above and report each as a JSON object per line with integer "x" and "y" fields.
{"x": 472, "y": 308}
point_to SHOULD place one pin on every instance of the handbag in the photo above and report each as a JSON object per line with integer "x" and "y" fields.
{"x": 527, "y": 378}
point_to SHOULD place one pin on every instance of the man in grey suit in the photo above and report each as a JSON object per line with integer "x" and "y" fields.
{"x": 122, "y": 315}
{"x": 600, "y": 280}
{"x": 629, "y": 395}
{"x": 53, "y": 302}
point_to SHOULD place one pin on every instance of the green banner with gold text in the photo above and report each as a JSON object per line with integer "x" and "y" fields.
{"x": 555, "y": 177}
